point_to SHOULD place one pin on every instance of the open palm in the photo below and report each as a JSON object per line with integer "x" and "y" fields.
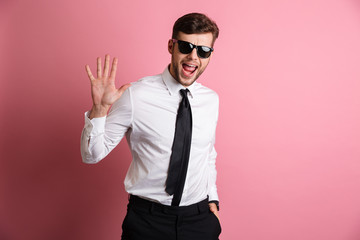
{"x": 103, "y": 90}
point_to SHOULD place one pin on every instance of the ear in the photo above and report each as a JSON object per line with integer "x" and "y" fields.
{"x": 170, "y": 46}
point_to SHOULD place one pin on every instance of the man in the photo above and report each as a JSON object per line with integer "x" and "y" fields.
{"x": 169, "y": 121}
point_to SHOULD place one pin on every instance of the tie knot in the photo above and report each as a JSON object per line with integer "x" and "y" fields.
{"x": 184, "y": 92}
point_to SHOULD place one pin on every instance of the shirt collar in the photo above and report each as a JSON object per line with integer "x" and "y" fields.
{"x": 174, "y": 86}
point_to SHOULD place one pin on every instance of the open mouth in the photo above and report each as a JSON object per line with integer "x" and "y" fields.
{"x": 189, "y": 69}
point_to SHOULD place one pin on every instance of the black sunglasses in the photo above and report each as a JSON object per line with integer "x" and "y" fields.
{"x": 186, "y": 48}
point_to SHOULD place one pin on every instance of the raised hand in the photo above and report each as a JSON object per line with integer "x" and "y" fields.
{"x": 103, "y": 90}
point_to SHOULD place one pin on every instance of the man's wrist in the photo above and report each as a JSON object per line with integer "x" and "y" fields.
{"x": 98, "y": 111}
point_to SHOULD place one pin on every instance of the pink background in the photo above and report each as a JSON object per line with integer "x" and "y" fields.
{"x": 288, "y": 138}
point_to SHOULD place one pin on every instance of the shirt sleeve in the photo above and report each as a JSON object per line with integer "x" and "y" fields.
{"x": 213, "y": 195}
{"x": 101, "y": 135}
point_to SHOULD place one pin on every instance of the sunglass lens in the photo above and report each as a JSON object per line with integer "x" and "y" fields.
{"x": 204, "y": 52}
{"x": 185, "y": 47}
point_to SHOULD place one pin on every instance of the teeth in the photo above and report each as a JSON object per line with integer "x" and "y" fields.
{"x": 191, "y": 65}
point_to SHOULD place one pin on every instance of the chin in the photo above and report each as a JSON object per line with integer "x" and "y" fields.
{"x": 187, "y": 82}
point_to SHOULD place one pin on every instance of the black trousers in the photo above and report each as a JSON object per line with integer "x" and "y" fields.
{"x": 146, "y": 220}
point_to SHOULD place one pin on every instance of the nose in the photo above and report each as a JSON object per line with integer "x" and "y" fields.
{"x": 193, "y": 55}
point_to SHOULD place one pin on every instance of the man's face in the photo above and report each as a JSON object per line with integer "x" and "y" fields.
{"x": 186, "y": 68}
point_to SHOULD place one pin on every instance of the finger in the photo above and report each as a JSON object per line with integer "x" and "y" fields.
{"x": 214, "y": 210}
{"x": 113, "y": 68}
{"x": 106, "y": 66}
{"x": 91, "y": 77}
{"x": 99, "y": 67}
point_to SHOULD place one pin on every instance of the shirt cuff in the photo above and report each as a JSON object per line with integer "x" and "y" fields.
{"x": 97, "y": 125}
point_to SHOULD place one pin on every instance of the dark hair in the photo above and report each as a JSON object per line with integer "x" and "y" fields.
{"x": 195, "y": 23}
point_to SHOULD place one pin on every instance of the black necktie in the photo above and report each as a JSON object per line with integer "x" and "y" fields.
{"x": 179, "y": 158}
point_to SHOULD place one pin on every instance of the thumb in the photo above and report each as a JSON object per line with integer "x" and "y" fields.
{"x": 122, "y": 89}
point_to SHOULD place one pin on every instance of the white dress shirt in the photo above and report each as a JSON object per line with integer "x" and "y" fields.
{"x": 146, "y": 114}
